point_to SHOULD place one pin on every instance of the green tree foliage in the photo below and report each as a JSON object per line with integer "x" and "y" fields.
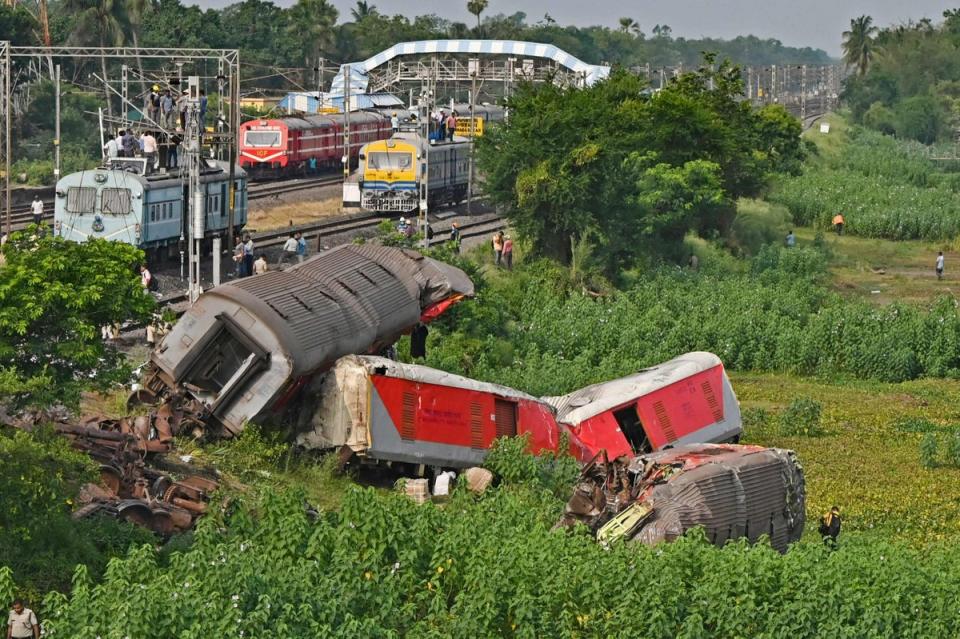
{"x": 858, "y": 44}
{"x": 17, "y": 25}
{"x": 54, "y": 297}
{"x": 635, "y": 169}
{"x": 912, "y": 69}
{"x": 491, "y": 567}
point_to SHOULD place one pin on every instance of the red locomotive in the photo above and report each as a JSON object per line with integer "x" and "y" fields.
{"x": 297, "y": 144}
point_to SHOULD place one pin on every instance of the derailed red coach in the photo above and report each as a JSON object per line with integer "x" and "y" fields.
{"x": 385, "y": 411}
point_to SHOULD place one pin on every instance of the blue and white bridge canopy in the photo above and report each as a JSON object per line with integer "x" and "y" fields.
{"x": 359, "y": 71}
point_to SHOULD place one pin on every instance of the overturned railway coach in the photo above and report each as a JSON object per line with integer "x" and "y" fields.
{"x": 246, "y": 348}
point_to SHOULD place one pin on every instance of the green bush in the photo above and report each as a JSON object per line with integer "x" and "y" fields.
{"x": 915, "y": 425}
{"x": 508, "y": 459}
{"x": 929, "y": 448}
{"x": 953, "y": 448}
{"x": 758, "y": 223}
{"x": 803, "y": 417}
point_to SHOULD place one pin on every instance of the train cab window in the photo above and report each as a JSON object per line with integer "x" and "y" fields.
{"x": 383, "y": 161}
{"x": 262, "y": 138}
{"x": 632, "y": 429}
{"x": 115, "y": 201}
{"x": 81, "y": 199}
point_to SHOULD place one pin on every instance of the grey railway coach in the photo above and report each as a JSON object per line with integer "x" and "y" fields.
{"x": 245, "y": 348}
{"x": 120, "y": 203}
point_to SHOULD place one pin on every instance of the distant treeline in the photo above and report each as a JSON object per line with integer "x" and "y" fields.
{"x": 908, "y": 77}
{"x": 295, "y": 37}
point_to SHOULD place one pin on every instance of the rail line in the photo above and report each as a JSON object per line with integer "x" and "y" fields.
{"x": 483, "y": 225}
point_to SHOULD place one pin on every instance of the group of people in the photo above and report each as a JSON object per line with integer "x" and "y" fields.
{"x": 163, "y": 108}
{"x": 132, "y": 144}
{"x": 502, "y": 250}
{"x": 444, "y": 125}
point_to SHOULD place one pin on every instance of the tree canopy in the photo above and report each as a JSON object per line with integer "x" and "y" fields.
{"x": 633, "y": 168}
{"x": 54, "y": 298}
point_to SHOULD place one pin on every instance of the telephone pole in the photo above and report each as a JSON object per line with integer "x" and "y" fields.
{"x": 197, "y": 226}
{"x": 474, "y": 69}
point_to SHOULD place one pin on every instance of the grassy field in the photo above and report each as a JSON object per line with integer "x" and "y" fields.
{"x": 864, "y": 463}
{"x": 884, "y": 271}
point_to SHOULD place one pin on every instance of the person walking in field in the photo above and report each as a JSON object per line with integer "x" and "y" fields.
{"x": 497, "y": 248}
{"x": 22, "y": 622}
{"x": 508, "y": 252}
{"x": 830, "y": 526}
{"x": 940, "y": 265}
{"x": 838, "y": 223}
{"x": 791, "y": 240}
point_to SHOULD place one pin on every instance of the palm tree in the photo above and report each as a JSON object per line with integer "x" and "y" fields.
{"x": 100, "y": 23}
{"x": 627, "y": 24}
{"x": 363, "y": 10}
{"x": 476, "y": 7}
{"x": 858, "y": 44}
{"x": 311, "y": 25}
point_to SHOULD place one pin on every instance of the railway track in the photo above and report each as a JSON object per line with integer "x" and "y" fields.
{"x": 274, "y": 189}
{"x": 485, "y": 224}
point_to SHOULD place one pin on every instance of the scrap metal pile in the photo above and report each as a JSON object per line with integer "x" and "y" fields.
{"x": 130, "y": 488}
{"x": 731, "y": 491}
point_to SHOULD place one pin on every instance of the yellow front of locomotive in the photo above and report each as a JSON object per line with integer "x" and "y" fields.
{"x": 388, "y": 182}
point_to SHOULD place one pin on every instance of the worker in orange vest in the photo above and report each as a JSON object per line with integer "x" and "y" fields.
{"x": 838, "y": 223}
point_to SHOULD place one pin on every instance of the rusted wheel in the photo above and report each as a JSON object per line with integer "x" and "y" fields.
{"x": 136, "y": 512}
{"x": 141, "y": 397}
{"x": 111, "y": 477}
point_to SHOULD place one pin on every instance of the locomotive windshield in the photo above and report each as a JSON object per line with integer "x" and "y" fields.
{"x": 383, "y": 161}
{"x": 262, "y": 138}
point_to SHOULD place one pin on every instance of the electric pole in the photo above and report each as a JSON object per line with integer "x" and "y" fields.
{"x": 424, "y": 115}
{"x": 197, "y": 226}
{"x": 346, "y": 122}
{"x": 474, "y": 68}
{"x": 56, "y": 135}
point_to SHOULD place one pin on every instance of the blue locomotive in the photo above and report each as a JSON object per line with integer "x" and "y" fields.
{"x": 120, "y": 203}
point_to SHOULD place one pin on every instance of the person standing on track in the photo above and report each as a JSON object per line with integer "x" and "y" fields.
{"x": 940, "y": 265}
{"x": 394, "y": 122}
{"x": 455, "y": 236}
{"x": 302, "y": 246}
{"x": 36, "y": 208}
{"x": 289, "y": 250}
{"x": 247, "y": 255}
{"x": 238, "y": 259}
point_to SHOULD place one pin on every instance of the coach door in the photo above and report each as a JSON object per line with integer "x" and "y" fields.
{"x": 629, "y": 422}
{"x": 505, "y": 414}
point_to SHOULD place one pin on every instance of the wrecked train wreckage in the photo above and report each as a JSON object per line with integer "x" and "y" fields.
{"x": 380, "y": 411}
{"x": 731, "y": 491}
{"x": 246, "y": 349}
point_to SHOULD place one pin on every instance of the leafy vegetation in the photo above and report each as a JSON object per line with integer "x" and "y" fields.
{"x": 535, "y": 329}
{"x": 802, "y": 417}
{"x": 491, "y": 566}
{"x": 54, "y": 298}
{"x": 635, "y": 171}
{"x": 883, "y": 188}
